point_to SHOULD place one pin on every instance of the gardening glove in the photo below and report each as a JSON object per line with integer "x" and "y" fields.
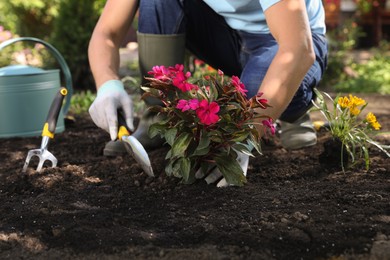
{"x": 215, "y": 175}
{"x": 111, "y": 96}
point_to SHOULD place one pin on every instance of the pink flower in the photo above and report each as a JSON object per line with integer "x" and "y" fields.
{"x": 179, "y": 78}
{"x": 268, "y": 123}
{"x": 179, "y": 81}
{"x": 160, "y": 72}
{"x": 198, "y": 62}
{"x": 177, "y": 68}
{"x": 207, "y": 112}
{"x": 261, "y": 101}
{"x": 239, "y": 85}
{"x": 185, "y": 105}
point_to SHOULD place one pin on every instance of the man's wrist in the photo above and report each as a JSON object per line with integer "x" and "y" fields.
{"x": 111, "y": 86}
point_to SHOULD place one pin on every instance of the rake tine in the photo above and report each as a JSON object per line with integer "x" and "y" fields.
{"x": 40, "y": 164}
{"x": 29, "y": 155}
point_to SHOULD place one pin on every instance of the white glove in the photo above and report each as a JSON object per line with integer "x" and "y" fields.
{"x": 111, "y": 96}
{"x": 215, "y": 175}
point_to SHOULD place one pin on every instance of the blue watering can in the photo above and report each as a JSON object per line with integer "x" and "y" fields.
{"x": 26, "y": 94}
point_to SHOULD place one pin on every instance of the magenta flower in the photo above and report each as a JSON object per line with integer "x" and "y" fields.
{"x": 177, "y": 68}
{"x": 239, "y": 85}
{"x": 160, "y": 72}
{"x": 185, "y": 105}
{"x": 261, "y": 101}
{"x": 268, "y": 123}
{"x": 179, "y": 81}
{"x": 207, "y": 112}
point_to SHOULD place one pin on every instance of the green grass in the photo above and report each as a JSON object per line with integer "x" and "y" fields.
{"x": 81, "y": 101}
{"x": 372, "y": 76}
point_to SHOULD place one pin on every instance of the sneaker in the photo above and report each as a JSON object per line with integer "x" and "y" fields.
{"x": 114, "y": 148}
{"x": 298, "y": 134}
{"x": 141, "y": 133}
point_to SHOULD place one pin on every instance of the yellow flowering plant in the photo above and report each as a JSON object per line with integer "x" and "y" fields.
{"x": 347, "y": 125}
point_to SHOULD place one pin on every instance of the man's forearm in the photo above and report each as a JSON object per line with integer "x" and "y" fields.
{"x": 108, "y": 35}
{"x": 104, "y": 60}
{"x": 283, "y": 78}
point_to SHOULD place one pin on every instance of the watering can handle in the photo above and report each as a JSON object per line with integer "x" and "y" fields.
{"x": 60, "y": 59}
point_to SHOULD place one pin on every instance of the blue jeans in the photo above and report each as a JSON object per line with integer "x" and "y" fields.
{"x": 239, "y": 53}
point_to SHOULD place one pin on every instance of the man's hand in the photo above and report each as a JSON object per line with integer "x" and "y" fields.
{"x": 111, "y": 96}
{"x": 216, "y": 175}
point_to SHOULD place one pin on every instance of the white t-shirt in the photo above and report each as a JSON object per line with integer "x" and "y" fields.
{"x": 248, "y": 15}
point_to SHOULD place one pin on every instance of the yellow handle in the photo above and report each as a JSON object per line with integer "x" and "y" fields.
{"x": 46, "y": 131}
{"x": 54, "y": 110}
{"x": 123, "y": 132}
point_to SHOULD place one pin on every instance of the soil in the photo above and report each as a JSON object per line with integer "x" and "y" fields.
{"x": 96, "y": 207}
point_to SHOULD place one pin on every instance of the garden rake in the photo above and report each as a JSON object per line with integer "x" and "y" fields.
{"x": 48, "y": 133}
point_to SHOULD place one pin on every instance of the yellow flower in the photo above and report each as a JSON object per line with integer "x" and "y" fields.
{"x": 356, "y": 101}
{"x": 354, "y": 110}
{"x": 371, "y": 119}
{"x": 376, "y": 125}
{"x": 352, "y": 103}
{"x": 343, "y": 102}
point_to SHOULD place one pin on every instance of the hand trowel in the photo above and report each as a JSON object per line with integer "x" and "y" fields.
{"x": 133, "y": 146}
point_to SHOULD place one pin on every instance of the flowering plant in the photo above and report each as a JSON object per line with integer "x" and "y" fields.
{"x": 366, "y": 6}
{"x": 346, "y": 125}
{"x": 206, "y": 122}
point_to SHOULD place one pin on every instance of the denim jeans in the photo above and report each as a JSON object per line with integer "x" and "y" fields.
{"x": 239, "y": 53}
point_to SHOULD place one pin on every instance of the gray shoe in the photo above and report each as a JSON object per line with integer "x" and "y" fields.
{"x": 141, "y": 133}
{"x": 298, "y": 134}
{"x": 114, "y": 148}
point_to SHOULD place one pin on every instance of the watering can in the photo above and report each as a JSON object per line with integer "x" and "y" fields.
{"x": 26, "y": 94}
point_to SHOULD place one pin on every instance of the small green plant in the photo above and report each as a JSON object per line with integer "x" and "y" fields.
{"x": 341, "y": 41}
{"x": 372, "y": 76}
{"x": 347, "y": 126}
{"x": 367, "y": 6}
{"x": 81, "y": 101}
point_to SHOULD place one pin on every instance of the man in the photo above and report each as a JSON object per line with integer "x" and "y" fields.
{"x": 276, "y": 47}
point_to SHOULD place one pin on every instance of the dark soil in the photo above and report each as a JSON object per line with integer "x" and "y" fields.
{"x": 94, "y": 207}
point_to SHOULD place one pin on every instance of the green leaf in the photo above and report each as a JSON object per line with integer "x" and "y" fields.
{"x": 203, "y": 146}
{"x": 173, "y": 168}
{"x": 180, "y": 145}
{"x": 230, "y": 169}
{"x": 156, "y": 129}
{"x": 168, "y": 155}
{"x": 240, "y": 147}
{"x": 170, "y": 136}
{"x": 253, "y": 141}
{"x": 169, "y": 168}
{"x": 185, "y": 167}
{"x": 240, "y": 136}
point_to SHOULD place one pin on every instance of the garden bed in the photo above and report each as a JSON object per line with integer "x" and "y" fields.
{"x": 94, "y": 207}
